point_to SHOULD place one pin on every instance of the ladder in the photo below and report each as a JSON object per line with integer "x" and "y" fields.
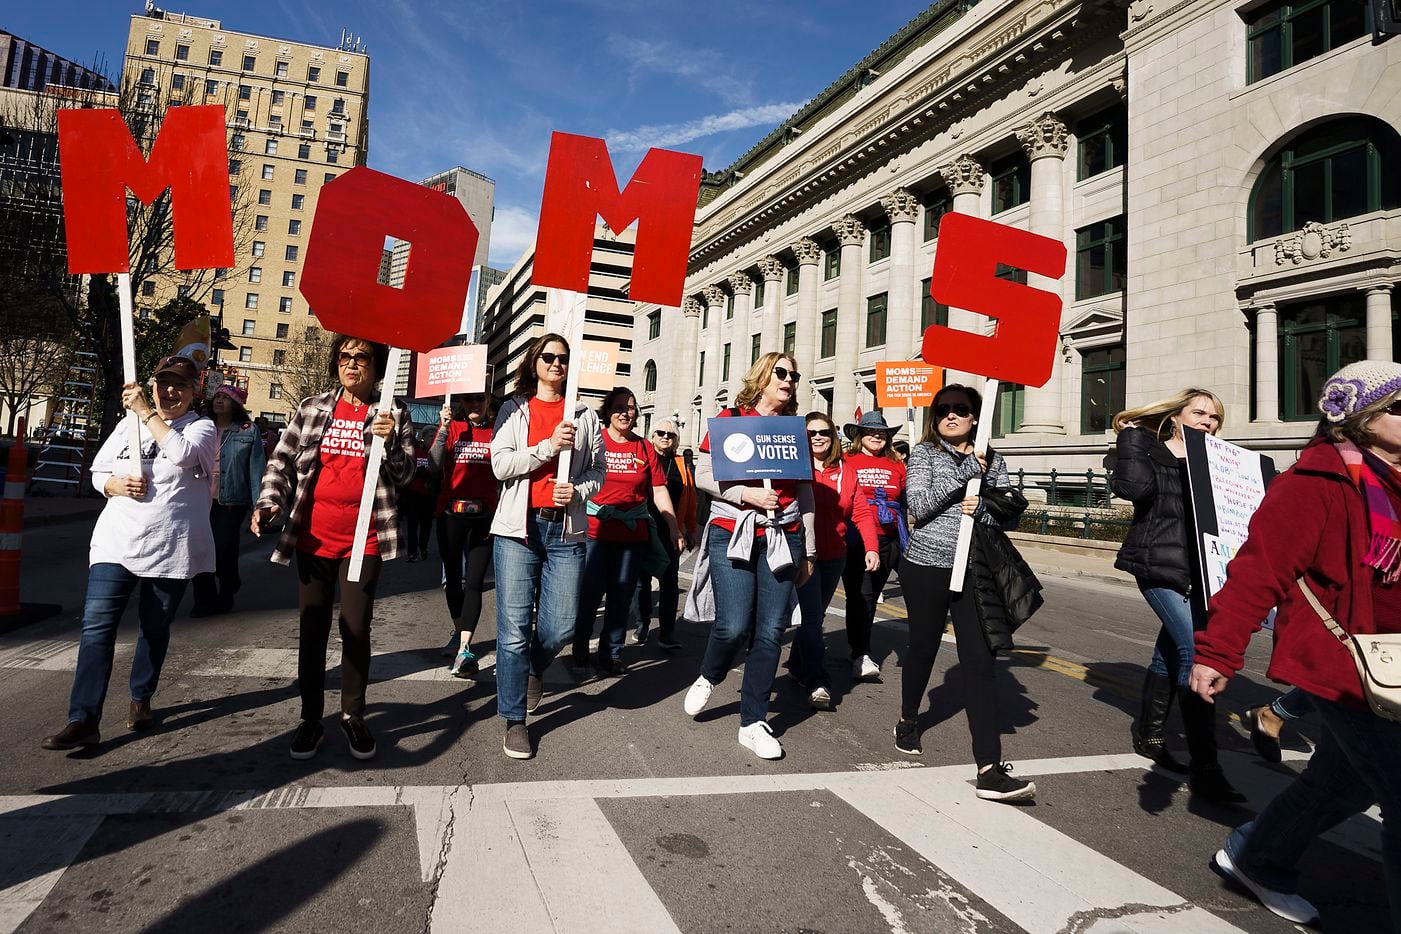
{"x": 63, "y": 455}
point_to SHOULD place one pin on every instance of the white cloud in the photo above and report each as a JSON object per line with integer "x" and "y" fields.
{"x": 704, "y": 68}
{"x": 512, "y": 233}
{"x": 674, "y": 134}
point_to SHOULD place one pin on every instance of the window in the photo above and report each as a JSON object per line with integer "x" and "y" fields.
{"x": 790, "y": 337}
{"x": 754, "y": 349}
{"x": 1282, "y": 35}
{"x": 1011, "y": 182}
{"x": 1326, "y": 174}
{"x": 934, "y": 211}
{"x": 649, "y": 377}
{"x": 282, "y": 332}
{"x": 216, "y": 297}
{"x": 729, "y": 307}
{"x": 1101, "y": 388}
{"x": 333, "y": 154}
{"x": 280, "y": 69}
{"x": 309, "y": 103}
{"x": 279, "y": 98}
{"x": 880, "y": 244}
{"x": 654, "y": 325}
{"x": 335, "y": 129}
{"x": 148, "y": 288}
{"x": 294, "y": 228}
{"x": 930, "y": 311}
{"x": 1101, "y": 141}
{"x": 759, "y": 293}
{"x": 270, "y": 147}
{"x": 265, "y": 196}
{"x": 328, "y": 177}
{"x": 342, "y": 79}
{"x": 275, "y": 121}
{"x": 236, "y": 142}
{"x": 705, "y": 316}
{"x": 242, "y": 119}
{"x": 1101, "y": 256}
{"x": 700, "y": 378}
{"x": 233, "y": 193}
{"x": 829, "y": 333}
{"x": 338, "y": 107}
{"x": 790, "y": 280}
{"x": 255, "y": 274}
{"x": 216, "y": 57}
{"x": 1010, "y": 273}
{"x": 274, "y": 390}
{"x": 291, "y": 254}
{"x": 245, "y": 92}
{"x": 177, "y": 82}
{"x": 235, "y": 166}
{"x": 267, "y": 171}
{"x": 245, "y": 355}
{"x": 259, "y": 247}
{"x": 211, "y": 87}
{"x": 1011, "y": 409}
{"x": 248, "y": 326}
{"x": 220, "y": 274}
{"x": 279, "y": 357}
{"x": 1316, "y": 339}
{"x": 182, "y": 52}
{"x": 153, "y": 47}
{"x": 313, "y": 73}
{"x": 250, "y": 62}
{"x": 832, "y": 264}
{"x": 250, "y": 301}
{"x": 148, "y": 76}
{"x": 298, "y": 201}
{"x": 289, "y": 279}
{"x": 284, "y": 305}
{"x": 725, "y": 364}
{"x": 299, "y": 177}
{"x": 875, "y": 319}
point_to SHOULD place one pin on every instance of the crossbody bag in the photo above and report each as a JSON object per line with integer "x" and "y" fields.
{"x": 1377, "y": 657}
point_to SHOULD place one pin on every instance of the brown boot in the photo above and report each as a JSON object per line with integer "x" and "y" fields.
{"x": 139, "y": 716}
{"x": 76, "y": 734}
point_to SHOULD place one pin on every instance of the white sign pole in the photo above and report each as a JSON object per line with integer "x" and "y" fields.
{"x": 128, "y": 329}
{"x": 965, "y": 524}
{"x": 372, "y": 463}
{"x": 565, "y": 312}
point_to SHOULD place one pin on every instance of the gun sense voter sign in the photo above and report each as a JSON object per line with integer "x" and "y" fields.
{"x": 763, "y": 447}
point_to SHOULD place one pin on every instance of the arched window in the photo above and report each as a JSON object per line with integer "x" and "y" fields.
{"x": 649, "y": 377}
{"x": 1334, "y": 171}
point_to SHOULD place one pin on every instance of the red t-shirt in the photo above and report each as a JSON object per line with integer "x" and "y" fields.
{"x": 835, "y": 509}
{"x": 873, "y": 473}
{"x": 335, "y": 497}
{"x": 467, "y": 466}
{"x": 544, "y": 416}
{"x": 631, "y": 470}
{"x": 422, "y": 480}
{"x": 787, "y": 490}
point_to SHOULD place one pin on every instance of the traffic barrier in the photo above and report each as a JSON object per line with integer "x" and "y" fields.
{"x": 11, "y": 523}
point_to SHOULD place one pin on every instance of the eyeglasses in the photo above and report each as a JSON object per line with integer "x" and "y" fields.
{"x": 624, "y": 410}
{"x": 550, "y": 358}
{"x": 181, "y": 384}
{"x": 359, "y": 359}
{"x": 961, "y": 409}
{"x": 782, "y": 374}
{"x": 668, "y": 435}
{"x": 820, "y": 432}
{"x": 474, "y": 399}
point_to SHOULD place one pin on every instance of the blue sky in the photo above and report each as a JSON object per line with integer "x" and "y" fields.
{"x": 482, "y": 83}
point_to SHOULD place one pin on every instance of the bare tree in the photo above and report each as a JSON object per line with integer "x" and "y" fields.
{"x": 36, "y": 346}
{"x": 305, "y": 371}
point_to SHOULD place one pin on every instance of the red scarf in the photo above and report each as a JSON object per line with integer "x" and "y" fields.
{"x": 1379, "y": 484}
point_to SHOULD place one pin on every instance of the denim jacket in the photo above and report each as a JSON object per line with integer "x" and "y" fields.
{"x": 241, "y": 462}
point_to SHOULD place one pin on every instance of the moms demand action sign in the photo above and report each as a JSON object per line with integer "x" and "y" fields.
{"x": 760, "y": 447}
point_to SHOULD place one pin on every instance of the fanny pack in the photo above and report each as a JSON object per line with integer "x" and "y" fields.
{"x": 1377, "y": 657}
{"x": 466, "y": 507}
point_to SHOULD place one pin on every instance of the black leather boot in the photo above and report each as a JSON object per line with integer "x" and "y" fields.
{"x": 1158, "y": 691}
{"x": 1206, "y": 780}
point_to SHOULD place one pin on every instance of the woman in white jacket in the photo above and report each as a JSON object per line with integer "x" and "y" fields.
{"x": 153, "y": 536}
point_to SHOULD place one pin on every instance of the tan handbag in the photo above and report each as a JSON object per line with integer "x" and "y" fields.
{"x": 1378, "y": 660}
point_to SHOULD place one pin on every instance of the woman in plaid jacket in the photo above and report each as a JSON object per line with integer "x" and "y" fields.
{"x": 314, "y": 478}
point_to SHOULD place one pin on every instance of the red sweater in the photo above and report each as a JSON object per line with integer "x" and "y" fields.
{"x": 1311, "y": 523}
{"x": 833, "y": 511}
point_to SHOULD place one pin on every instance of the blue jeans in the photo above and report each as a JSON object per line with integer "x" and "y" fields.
{"x": 808, "y": 657}
{"x": 610, "y": 572}
{"x": 110, "y": 586}
{"x": 1291, "y": 705}
{"x": 537, "y": 596}
{"x": 1174, "y": 651}
{"x": 748, "y": 596}
{"x": 1357, "y": 763}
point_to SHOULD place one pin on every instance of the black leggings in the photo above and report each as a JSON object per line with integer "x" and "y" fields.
{"x": 316, "y": 594}
{"x": 863, "y": 589}
{"x": 929, "y": 601}
{"x": 462, "y": 536}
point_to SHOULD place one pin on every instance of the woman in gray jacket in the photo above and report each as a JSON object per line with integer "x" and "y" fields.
{"x": 939, "y": 470}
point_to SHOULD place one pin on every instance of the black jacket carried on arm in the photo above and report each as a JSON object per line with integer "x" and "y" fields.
{"x": 1005, "y": 590}
{"x": 1156, "y": 551}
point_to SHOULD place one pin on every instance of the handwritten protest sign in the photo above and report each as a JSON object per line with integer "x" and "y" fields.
{"x": 907, "y": 383}
{"x": 1227, "y": 483}
{"x": 450, "y": 370}
{"x": 597, "y": 363}
{"x": 760, "y": 447}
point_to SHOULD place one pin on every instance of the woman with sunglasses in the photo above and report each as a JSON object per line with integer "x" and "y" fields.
{"x": 620, "y": 533}
{"x": 538, "y": 530}
{"x": 315, "y": 478}
{"x": 681, "y": 485}
{"x": 940, "y": 468}
{"x": 1159, "y": 551}
{"x": 879, "y": 475}
{"x": 837, "y": 510}
{"x": 756, "y": 550}
{"x": 467, "y": 494}
{"x": 152, "y": 537}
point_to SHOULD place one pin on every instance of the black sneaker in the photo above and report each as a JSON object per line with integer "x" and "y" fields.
{"x": 669, "y": 644}
{"x": 362, "y": 743}
{"x": 534, "y": 691}
{"x": 907, "y": 737}
{"x": 1209, "y": 783}
{"x": 516, "y": 741}
{"x": 610, "y": 667}
{"x": 995, "y": 784}
{"x": 307, "y": 739}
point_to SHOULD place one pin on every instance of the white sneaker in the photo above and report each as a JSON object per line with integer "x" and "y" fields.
{"x": 1290, "y": 907}
{"x": 864, "y": 669}
{"x": 759, "y": 738}
{"x": 820, "y": 699}
{"x": 698, "y": 696}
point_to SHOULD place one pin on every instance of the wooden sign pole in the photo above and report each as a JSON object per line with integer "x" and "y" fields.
{"x": 965, "y": 524}
{"x": 372, "y": 464}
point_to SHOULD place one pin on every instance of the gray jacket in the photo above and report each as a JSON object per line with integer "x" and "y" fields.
{"x": 935, "y": 478}
{"x": 513, "y": 459}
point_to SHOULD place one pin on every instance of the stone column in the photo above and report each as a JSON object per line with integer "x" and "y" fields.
{"x": 851, "y": 234}
{"x": 1266, "y": 363}
{"x": 1379, "y": 322}
{"x": 807, "y": 327}
{"x": 771, "y": 327}
{"x": 681, "y": 377}
{"x": 965, "y": 178}
{"x": 743, "y": 288}
{"x": 902, "y": 331}
{"x": 1045, "y": 141}
{"x": 715, "y": 353}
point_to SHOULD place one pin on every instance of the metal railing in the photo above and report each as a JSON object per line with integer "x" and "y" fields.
{"x": 1071, "y": 503}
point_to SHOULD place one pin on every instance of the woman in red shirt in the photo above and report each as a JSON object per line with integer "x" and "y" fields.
{"x": 759, "y": 546}
{"x": 620, "y": 532}
{"x": 467, "y": 495}
{"x": 1325, "y": 540}
{"x": 879, "y": 475}
{"x": 836, "y": 508}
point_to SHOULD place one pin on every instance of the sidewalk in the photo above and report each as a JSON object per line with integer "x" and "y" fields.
{"x": 60, "y": 508}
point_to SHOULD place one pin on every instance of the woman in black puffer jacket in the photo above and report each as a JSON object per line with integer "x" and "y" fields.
{"x": 1160, "y": 552}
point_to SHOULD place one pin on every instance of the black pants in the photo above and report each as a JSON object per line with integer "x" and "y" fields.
{"x": 316, "y": 594}
{"x": 464, "y": 539}
{"x": 218, "y": 588}
{"x": 417, "y": 509}
{"x": 667, "y": 598}
{"x": 929, "y": 602}
{"x": 863, "y": 589}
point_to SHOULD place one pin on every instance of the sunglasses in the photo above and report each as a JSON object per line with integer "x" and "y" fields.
{"x": 359, "y": 359}
{"x": 961, "y": 409}
{"x": 782, "y": 374}
{"x": 473, "y": 399}
{"x": 1394, "y": 408}
{"x": 550, "y": 358}
{"x": 820, "y": 432}
{"x": 669, "y": 435}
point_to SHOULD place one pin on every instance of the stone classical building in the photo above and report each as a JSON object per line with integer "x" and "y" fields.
{"x": 1223, "y": 174}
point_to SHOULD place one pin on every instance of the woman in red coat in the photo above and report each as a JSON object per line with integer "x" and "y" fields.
{"x": 1326, "y": 537}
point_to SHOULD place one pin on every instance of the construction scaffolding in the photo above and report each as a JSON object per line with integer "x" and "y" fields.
{"x": 68, "y": 439}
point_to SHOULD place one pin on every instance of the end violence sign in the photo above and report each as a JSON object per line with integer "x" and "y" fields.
{"x": 760, "y": 447}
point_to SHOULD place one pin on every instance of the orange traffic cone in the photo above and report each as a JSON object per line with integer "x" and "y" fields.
{"x": 11, "y": 523}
